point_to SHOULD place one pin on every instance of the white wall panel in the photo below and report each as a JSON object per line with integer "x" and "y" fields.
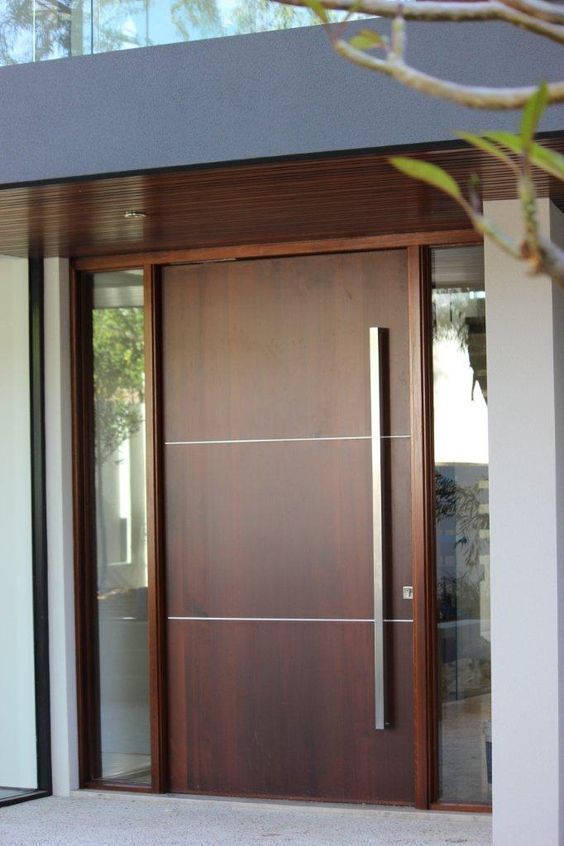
{"x": 18, "y": 766}
{"x": 64, "y": 739}
{"x": 525, "y": 328}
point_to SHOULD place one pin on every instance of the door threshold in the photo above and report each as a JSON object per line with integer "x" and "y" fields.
{"x": 100, "y": 793}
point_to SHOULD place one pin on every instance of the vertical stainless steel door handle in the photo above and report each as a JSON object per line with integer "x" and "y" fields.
{"x": 378, "y": 553}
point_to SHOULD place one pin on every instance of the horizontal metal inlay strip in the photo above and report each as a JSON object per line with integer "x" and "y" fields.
{"x": 288, "y": 619}
{"x": 284, "y": 440}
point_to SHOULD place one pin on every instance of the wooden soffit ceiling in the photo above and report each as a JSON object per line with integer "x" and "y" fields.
{"x": 297, "y": 199}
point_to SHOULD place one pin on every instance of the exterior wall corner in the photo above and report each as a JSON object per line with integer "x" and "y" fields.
{"x": 525, "y": 320}
{"x": 59, "y": 527}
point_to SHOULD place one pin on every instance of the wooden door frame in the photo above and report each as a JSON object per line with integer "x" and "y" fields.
{"x": 417, "y": 246}
{"x": 84, "y": 534}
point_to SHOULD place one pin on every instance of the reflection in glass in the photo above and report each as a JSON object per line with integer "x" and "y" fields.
{"x": 34, "y": 30}
{"x": 119, "y": 435}
{"x": 18, "y": 736}
{"x": 462, "y": 524}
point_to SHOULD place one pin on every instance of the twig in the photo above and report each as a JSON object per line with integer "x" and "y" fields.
{"x": 475, "y": 97}
{"x": 538, "y": 9}
{"x": 485, "y": 10}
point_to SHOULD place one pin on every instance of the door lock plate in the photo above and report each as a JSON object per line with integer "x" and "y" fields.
{"x": 407, "y": 592}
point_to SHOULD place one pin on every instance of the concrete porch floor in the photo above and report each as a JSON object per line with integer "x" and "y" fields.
{"x": 113, "y": 819}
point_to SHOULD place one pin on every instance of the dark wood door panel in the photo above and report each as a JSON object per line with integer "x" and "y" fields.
{"x": 287, "y": 709}
{"x": 270, "y": 529}
{"x": 284, "y": 529}
{"x": 279, "y": 348}
{"x": 269, "y": 518}
{"x": 396, "y": 519}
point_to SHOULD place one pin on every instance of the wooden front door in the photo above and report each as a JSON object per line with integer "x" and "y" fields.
{"x": 275, "y": 677}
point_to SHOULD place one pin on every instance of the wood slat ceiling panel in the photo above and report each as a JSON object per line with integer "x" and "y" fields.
{"x": 336, "y": 196}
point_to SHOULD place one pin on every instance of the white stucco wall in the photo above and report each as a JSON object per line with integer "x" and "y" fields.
{"x": 557, "y": 232}
{"x": 525, "y": 332}
{"x": 64, "y": 741}
{"x": 18, "y": 766}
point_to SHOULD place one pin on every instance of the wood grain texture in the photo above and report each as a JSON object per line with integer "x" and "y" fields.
{"x": 335, "y": 196}
{"x": 453, "y": 807}
{"x": 423, "y": 524}
{"x": 287, "y": 710}
{"x": 424, "y": 723}
{"x": 278, "y": 348}
{"x": 279, "y": 248}
{"x": 283, "y": 530}
{"x": 84, "y": 533}
{"x": 156, "y": 600}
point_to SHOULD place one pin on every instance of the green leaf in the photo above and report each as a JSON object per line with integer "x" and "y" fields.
{"x": 429, "y": 173}
{"x": 532, "y": 113}
{"x": 506, "y": 139}
{"x": 483, "y": 144}
{"x": 319, "y": 9}
{"x": 543, "y": 158}
{"x": 366, "y": 39}
{"x": 547, "y": 160}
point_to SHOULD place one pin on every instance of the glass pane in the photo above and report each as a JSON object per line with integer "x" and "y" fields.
{"x": 136, "y": 23}
{"x": 462, "y": 524}
{"x": 33, "y": 30}
{"x": 121, "y": 542}
{"x": 18, "y": 741}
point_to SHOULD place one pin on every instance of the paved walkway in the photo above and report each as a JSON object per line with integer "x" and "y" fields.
{"x": 117, "y": 820}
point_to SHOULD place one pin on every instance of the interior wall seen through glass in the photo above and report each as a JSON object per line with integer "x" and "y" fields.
{"x": 462, "y": 524}
{"x": 121, "y": 525}
{"x": 34, "y": 30}
{"x": 18, "y": 741}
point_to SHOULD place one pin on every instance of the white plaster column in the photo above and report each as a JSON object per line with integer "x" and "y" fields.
{"x": 64, "y": 737}
{"x": 525, "y": 345}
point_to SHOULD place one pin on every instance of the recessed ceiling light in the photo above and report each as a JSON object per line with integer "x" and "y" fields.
{"x": 134, "y": 214}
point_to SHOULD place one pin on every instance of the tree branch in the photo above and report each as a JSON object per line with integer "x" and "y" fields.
{"x": 533, "y": 20}
{"x": 475, "y": 97}
{"x": 538, "y": 16}
{"x": 551, "y": 260}
{"x": 537, "y": 9}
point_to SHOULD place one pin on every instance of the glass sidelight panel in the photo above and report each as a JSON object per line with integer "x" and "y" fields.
{"x": 462, "y": 524}
{"x": 18, "y": 736}
{"x": 121, "y": 538}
